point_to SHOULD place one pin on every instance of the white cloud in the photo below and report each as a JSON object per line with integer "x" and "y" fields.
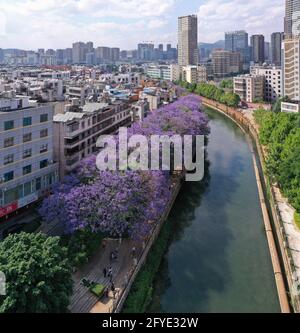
{"x": 58, "y": 23}
{"x": 255, "y": 16}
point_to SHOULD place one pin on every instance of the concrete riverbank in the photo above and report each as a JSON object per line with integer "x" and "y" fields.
{"x": 282, "y": 272}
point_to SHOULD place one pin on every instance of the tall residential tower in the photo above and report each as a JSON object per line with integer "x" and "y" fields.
{"x": 292, "y": 18}
{"x": 188, "y": 53}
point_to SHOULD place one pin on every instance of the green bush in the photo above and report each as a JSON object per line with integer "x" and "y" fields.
{"x": 212, "y": 92}
{"x": 141, "y": 291}
{"x": 38, "y": 275}
{"x": 98, "y": 290}
{"x": 81, "y": 246}
{"x": 280, "y": 133}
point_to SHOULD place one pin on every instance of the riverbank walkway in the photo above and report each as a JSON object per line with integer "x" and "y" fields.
{"x": 82, "y": 300}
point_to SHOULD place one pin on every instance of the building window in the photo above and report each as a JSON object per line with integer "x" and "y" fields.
{"x": 9, "y": 159}
{"x": 44, "y": 133}
{"x": 27, "y": 189}
{"x": 8, "y": 176}
{"x": 27, "y": 137}
{"x": 38, "y": 184}
{"x": 8, "y": 142}
{"x": 27, "y": 170}
{"x": 27, "y": 153}
{"x": 43, "y": 118}
{"x": 43, "y": 164}
{"x": 43, "y": 149}
{"x": 27, "y": 121}
{"x": 9, "y": 125}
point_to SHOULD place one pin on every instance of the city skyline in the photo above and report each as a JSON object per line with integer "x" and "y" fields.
{"x": 55, "y": 24}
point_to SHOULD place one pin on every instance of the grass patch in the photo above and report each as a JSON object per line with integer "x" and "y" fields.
{"x": 98, "y": 290}
{"x": 141, "y": 291}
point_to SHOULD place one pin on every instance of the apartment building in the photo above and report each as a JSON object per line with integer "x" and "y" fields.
{"x": 27, "y": 168}
{"x": 226, "y": 62}
{"x": 273, "y": 85}
{"x": 161, "y": 72}
{"x": 76, "y": 133}
{"x": 175, "y": 72}
{"x": 291, "y": 69}
{"x": 250, "y": 88}
{"x": 194, "y": 74}
{"x": 79, "y": 91}
{"x": 188, "y": 53}
{"x": 258, "y": 48}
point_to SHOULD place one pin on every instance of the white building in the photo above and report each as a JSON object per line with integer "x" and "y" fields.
{"x": 175, "y": 72}
{"x": 76, "y": 133}
{"x": 27, "y": 168}
{"x": 194, "y": 74}
{"x": 273, "y": 86}
{"x": 250, "y": 88}
{"x": 292, "y": 68}
{"x": 161, "y": 72}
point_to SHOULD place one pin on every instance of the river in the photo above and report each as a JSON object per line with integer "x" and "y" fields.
{"x": 218, "y": 258}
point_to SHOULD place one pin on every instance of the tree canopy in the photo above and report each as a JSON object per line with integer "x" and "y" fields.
{"x": 38, "y": 276}
{"x": 212, "y": 92}
{"x": 280, "y": 133}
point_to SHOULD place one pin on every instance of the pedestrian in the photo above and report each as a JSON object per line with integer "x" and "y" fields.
{"x": 133, "y": 252}
{"x": 110, "y": 272}
{"x": 104, "y": 272}
{"x": 106, "y": 293}
{"x": 113, "y": 288}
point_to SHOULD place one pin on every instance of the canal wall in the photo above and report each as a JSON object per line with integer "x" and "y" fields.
{"x": 175, "y": 189}
{"x": 282, "y": 261}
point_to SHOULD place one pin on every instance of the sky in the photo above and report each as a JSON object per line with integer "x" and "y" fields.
{"x": 32, "y": 24}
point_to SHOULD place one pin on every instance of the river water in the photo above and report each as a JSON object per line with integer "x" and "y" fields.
{"x": 218, "y": 259}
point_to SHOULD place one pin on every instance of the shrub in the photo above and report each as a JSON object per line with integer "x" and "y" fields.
{"x": 98, "y": 290}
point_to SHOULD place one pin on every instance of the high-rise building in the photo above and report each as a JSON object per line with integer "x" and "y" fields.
{"x": 267, "y": 51}
{"x": 115, "y": 54}
{"x": 68, "y": 56}
{"x": 258, "y": 48}
{"x": 146, "y": 51}
{"x": 292, "y": 18}
{"x": 79, "y": 53}
{"x": 238, "y": 41}
{"x": 276, "y": 46}
{"x": 188, "y": 53}
{"x": 292, "y": 68}
{"x": 226, "y": 62}
{"x": 1, "y": 56}
{"x": 103, "y": 55}
{"x": 60, "y": 56}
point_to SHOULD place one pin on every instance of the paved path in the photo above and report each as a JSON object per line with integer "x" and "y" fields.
{"x": 82, "y": 300}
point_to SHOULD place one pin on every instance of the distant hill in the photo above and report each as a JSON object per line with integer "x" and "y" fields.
{"x": 220, "y": 44}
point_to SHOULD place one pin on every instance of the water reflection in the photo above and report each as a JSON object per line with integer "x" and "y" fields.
{"x": 218, "y": 259}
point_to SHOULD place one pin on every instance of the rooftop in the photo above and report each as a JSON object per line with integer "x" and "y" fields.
{"x": 68, "y": 116}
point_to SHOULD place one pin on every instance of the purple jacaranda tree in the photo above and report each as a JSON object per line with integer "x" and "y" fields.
{"x": 124, "y": 203}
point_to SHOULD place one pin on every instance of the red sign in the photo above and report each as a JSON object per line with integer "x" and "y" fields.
{"x": 8, "y": 209}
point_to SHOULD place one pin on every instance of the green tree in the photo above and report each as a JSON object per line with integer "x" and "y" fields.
{"x": 37, "y": 273}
